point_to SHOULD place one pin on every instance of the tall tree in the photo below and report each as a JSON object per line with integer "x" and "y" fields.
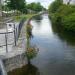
{"x": 16, "y": 4}
{"x": 37, "y": 7}
{"x": 55, "y": 5}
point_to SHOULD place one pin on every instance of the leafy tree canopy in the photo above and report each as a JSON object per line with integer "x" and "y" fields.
{"x": 55, "y": 5}
{"x": 35, "y": 7}
{"x": 16, "y": 4}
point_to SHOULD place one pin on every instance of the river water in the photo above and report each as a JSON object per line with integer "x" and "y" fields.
{"x": 56, "y": 50}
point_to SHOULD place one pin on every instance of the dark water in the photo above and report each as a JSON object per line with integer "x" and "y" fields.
{"x": 56, "y": 50}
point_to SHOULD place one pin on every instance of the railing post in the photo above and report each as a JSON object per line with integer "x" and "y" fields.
{"x": 14, "y": 35}
{"x": 6, "y": 42}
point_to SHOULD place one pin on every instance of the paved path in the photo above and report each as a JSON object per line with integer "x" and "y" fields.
{"x": 12, "y": 50}
{"x": 16, "y": 58}
{"x": 16, "y": 54}
{"x": 10, "y": 39}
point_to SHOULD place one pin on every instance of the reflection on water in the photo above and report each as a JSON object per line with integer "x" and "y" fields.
{"x": 42, "y": 29}
{"x": 64, "y": 35}
{"x": 28, "y": 69}
{"x": 37, "y": 18}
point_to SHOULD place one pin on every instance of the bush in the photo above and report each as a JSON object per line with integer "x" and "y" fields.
{"x": 69, "y": 22}
{"x": 65, "y": 16}
{"x": 55, "y": 6}
{"x": 28, "y": 31}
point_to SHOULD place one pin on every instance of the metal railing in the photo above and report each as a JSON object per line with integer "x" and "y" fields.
{"x": 8, "y": 38}
{"x": 11, "y": 37}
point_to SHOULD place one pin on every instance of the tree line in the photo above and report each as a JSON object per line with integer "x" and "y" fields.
{"x": 22, "y": 6}
{"x": 63, "y": 14}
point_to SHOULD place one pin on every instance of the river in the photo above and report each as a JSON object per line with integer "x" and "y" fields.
{"x": 56, "y": 49}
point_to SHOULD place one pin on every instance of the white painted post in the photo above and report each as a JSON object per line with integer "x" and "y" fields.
{"x": 3, "y": 71}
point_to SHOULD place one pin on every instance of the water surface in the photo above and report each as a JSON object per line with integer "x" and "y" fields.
{"x": 56, "y": 48}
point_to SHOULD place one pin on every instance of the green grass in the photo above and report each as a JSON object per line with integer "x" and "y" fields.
{"x": 26, "y": 16}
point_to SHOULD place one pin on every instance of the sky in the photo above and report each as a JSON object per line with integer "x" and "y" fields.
{"x": 45, "y": 3}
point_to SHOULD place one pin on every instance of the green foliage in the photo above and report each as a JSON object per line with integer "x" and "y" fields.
{"x": 69, "y": 22}
{"x": 28, "y": 31}
{"x": 37, "y": 7}
{"x": 31, "y": 52}
{"x": 65, "y": 10}
{"x": 64, "y": 15}
{"x": 21, "y": 6}
{"x": 16, "y": 5}
{"x": 21, "y": 16}
{"x": 55, "y": 6}
{"x": 5, "y": 8}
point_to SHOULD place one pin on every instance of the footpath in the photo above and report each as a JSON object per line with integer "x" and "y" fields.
{"x": 16, "y": 57}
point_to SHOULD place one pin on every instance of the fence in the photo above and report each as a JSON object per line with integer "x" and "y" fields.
{"x": 10, "y": 35}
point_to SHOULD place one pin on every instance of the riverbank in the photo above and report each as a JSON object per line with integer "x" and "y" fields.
{"x": 25, "y": 16}
{"x": 16, "y": 58}
{"x": 13, "y": 59}
{"x": 64, "y": 16}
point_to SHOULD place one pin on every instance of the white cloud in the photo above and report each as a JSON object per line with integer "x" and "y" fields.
{"x": 45, "y": 3}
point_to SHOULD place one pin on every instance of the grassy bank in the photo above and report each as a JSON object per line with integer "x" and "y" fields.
{"x": 64, "y": 15}
{"x": 19, "y": 17}
{"x": 26, "y": 16}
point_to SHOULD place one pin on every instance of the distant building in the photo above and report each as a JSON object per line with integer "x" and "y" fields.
{"x": 67, "y": 1}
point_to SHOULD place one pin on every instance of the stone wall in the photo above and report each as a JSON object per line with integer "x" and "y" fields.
{"x": 15, "y": 62}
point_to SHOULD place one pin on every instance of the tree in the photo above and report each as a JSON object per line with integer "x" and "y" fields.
{"x": 37, "y": 7}
{"x": 55, "y": 5}
{"x": 16, "y": 5}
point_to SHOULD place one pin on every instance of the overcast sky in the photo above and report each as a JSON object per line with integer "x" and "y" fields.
{"x": 45, "y": 3}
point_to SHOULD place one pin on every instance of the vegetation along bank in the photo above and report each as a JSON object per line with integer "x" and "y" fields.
{"x": 62, "y": 14}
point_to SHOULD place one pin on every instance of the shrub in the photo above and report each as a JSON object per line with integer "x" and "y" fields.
{"x": 65, "y": 16}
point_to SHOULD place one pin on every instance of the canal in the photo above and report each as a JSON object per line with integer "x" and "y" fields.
{"x": 56, "y": 50}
